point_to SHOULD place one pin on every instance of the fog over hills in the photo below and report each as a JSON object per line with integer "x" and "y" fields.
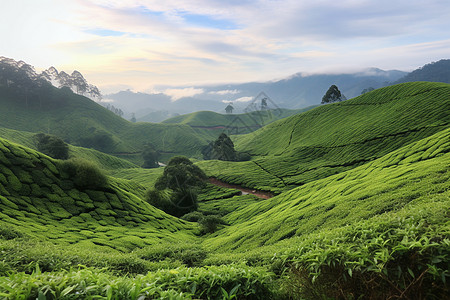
{"x": 296, "y": 91}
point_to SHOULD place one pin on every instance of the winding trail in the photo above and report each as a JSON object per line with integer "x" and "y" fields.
{"x": 245, "y": 191}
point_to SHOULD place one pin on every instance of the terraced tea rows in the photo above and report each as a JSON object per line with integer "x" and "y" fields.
{"x": 40, "y": 198}
{"x": 334, "y": 138}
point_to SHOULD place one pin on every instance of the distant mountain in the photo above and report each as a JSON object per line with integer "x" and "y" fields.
{"x": 434, "y": 72}
{"x": 296, "y": 91}
{"x": 76, "y": 82}
{"x": 28, "y": 102}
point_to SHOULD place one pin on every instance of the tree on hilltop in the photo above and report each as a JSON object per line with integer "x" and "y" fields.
{"x": 332, "y": 95}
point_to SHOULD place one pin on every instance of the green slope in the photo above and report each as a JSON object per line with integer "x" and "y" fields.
{"x": 337, "y": 137}
{"x": 105, "y": 161}
{"x": 39, "y": 198}
{"x": 73, "y": 118}
{"x": 211, "y": 124}
{"x": 369, "y": 219}
{"x": 417, "y": 174}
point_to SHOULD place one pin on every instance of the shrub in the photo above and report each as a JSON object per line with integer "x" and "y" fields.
{"x": 52, "y": 146}
{"x": 84, "y": 174}
{"x": 209, "y": 224}
{"x": 190, "y": 254}
{"x": 9, "y": 233}
{"x": 194, "y": 216}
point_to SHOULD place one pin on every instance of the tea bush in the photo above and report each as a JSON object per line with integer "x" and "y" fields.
{"x": 84, "y": 173}
{"x": 224, "y": 282}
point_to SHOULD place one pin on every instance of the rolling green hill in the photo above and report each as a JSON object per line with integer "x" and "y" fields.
{"x": 362, "y": 212}
{"x": 414, "y": 175}
{"x": 337, "y": 137}
{"x": 212, "y": 124}
{"x": 38, "y": 193}
{"x": 80, "y": 121}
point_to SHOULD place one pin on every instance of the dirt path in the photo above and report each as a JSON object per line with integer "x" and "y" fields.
{"x": 245, "y": 191}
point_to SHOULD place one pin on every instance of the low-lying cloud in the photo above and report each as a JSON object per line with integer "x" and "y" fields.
{"x": 225, "y": 92}
{"x": 177, "y": 94}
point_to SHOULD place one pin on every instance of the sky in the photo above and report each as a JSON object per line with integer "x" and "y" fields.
{"x": 145, "y": 45}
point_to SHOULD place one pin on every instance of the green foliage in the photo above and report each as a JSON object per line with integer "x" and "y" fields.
{"x": 190, "y": 254}
{"x": 9, "y": 233}
{"x": 309, "y": 146}
{"x": 180, "y": 283}
{"x": 221, "y": 149}
{"x": 52, "y": 146}
{"x": 150, "y": 157}
{"x": 369, "y": 218}
{"x": 87, "y": 123}
{"x": 179, "y": 174}
{"x": 176, "y": 189}
{"x": 84, "y": 174}
{"x": 163, "y": 199}
{"x": 98, "y": 139}
{"x": 384, "y": 257}
{"x": 39, "y": 196}
{"x": 210, "y": 223}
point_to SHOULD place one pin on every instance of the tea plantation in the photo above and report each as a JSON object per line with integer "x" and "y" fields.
{"x": 361, "y": 212}
{"x": 337, "y": 137}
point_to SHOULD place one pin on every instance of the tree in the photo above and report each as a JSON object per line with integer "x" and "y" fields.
{"x": 150, "y": 156}
{"x": 223, "y": 148}
{"x": 177, "y": 188}
{"x": 51, "y": 145}
{"x": 332, "y": 95}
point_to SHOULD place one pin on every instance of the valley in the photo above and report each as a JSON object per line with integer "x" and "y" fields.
{"x": 348, "y": 200}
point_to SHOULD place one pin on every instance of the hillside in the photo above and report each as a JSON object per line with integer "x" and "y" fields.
{"x": 367, "y": 219}
{"x": 212, "y": 124}
{"x": 434, "y": 72}
{"x": 54, "y": 201}
{"x": 337, "y": 137}
{"x": 82, "y": 122}
{"x": 404, "y": 178}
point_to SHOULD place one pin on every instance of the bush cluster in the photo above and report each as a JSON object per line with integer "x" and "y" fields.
{"x": 84, "y": 174}
{"x": 51, "y": 145}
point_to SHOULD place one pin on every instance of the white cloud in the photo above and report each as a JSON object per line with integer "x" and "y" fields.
{"x": 225, "y": 92}
{"x": 177, "y": 94}
{"x": 243, "y": 99}
{"x": 159, "y": 43}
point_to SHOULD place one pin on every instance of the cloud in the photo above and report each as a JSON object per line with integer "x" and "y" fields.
{"x": 140, "y": 43}
{"x": 177, "y": 94}
{"x": 225, "y": 92}
{"x": 243, "y": 99}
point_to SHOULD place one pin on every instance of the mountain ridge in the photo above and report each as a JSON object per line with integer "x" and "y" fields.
{"x": 76, "y": 81}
